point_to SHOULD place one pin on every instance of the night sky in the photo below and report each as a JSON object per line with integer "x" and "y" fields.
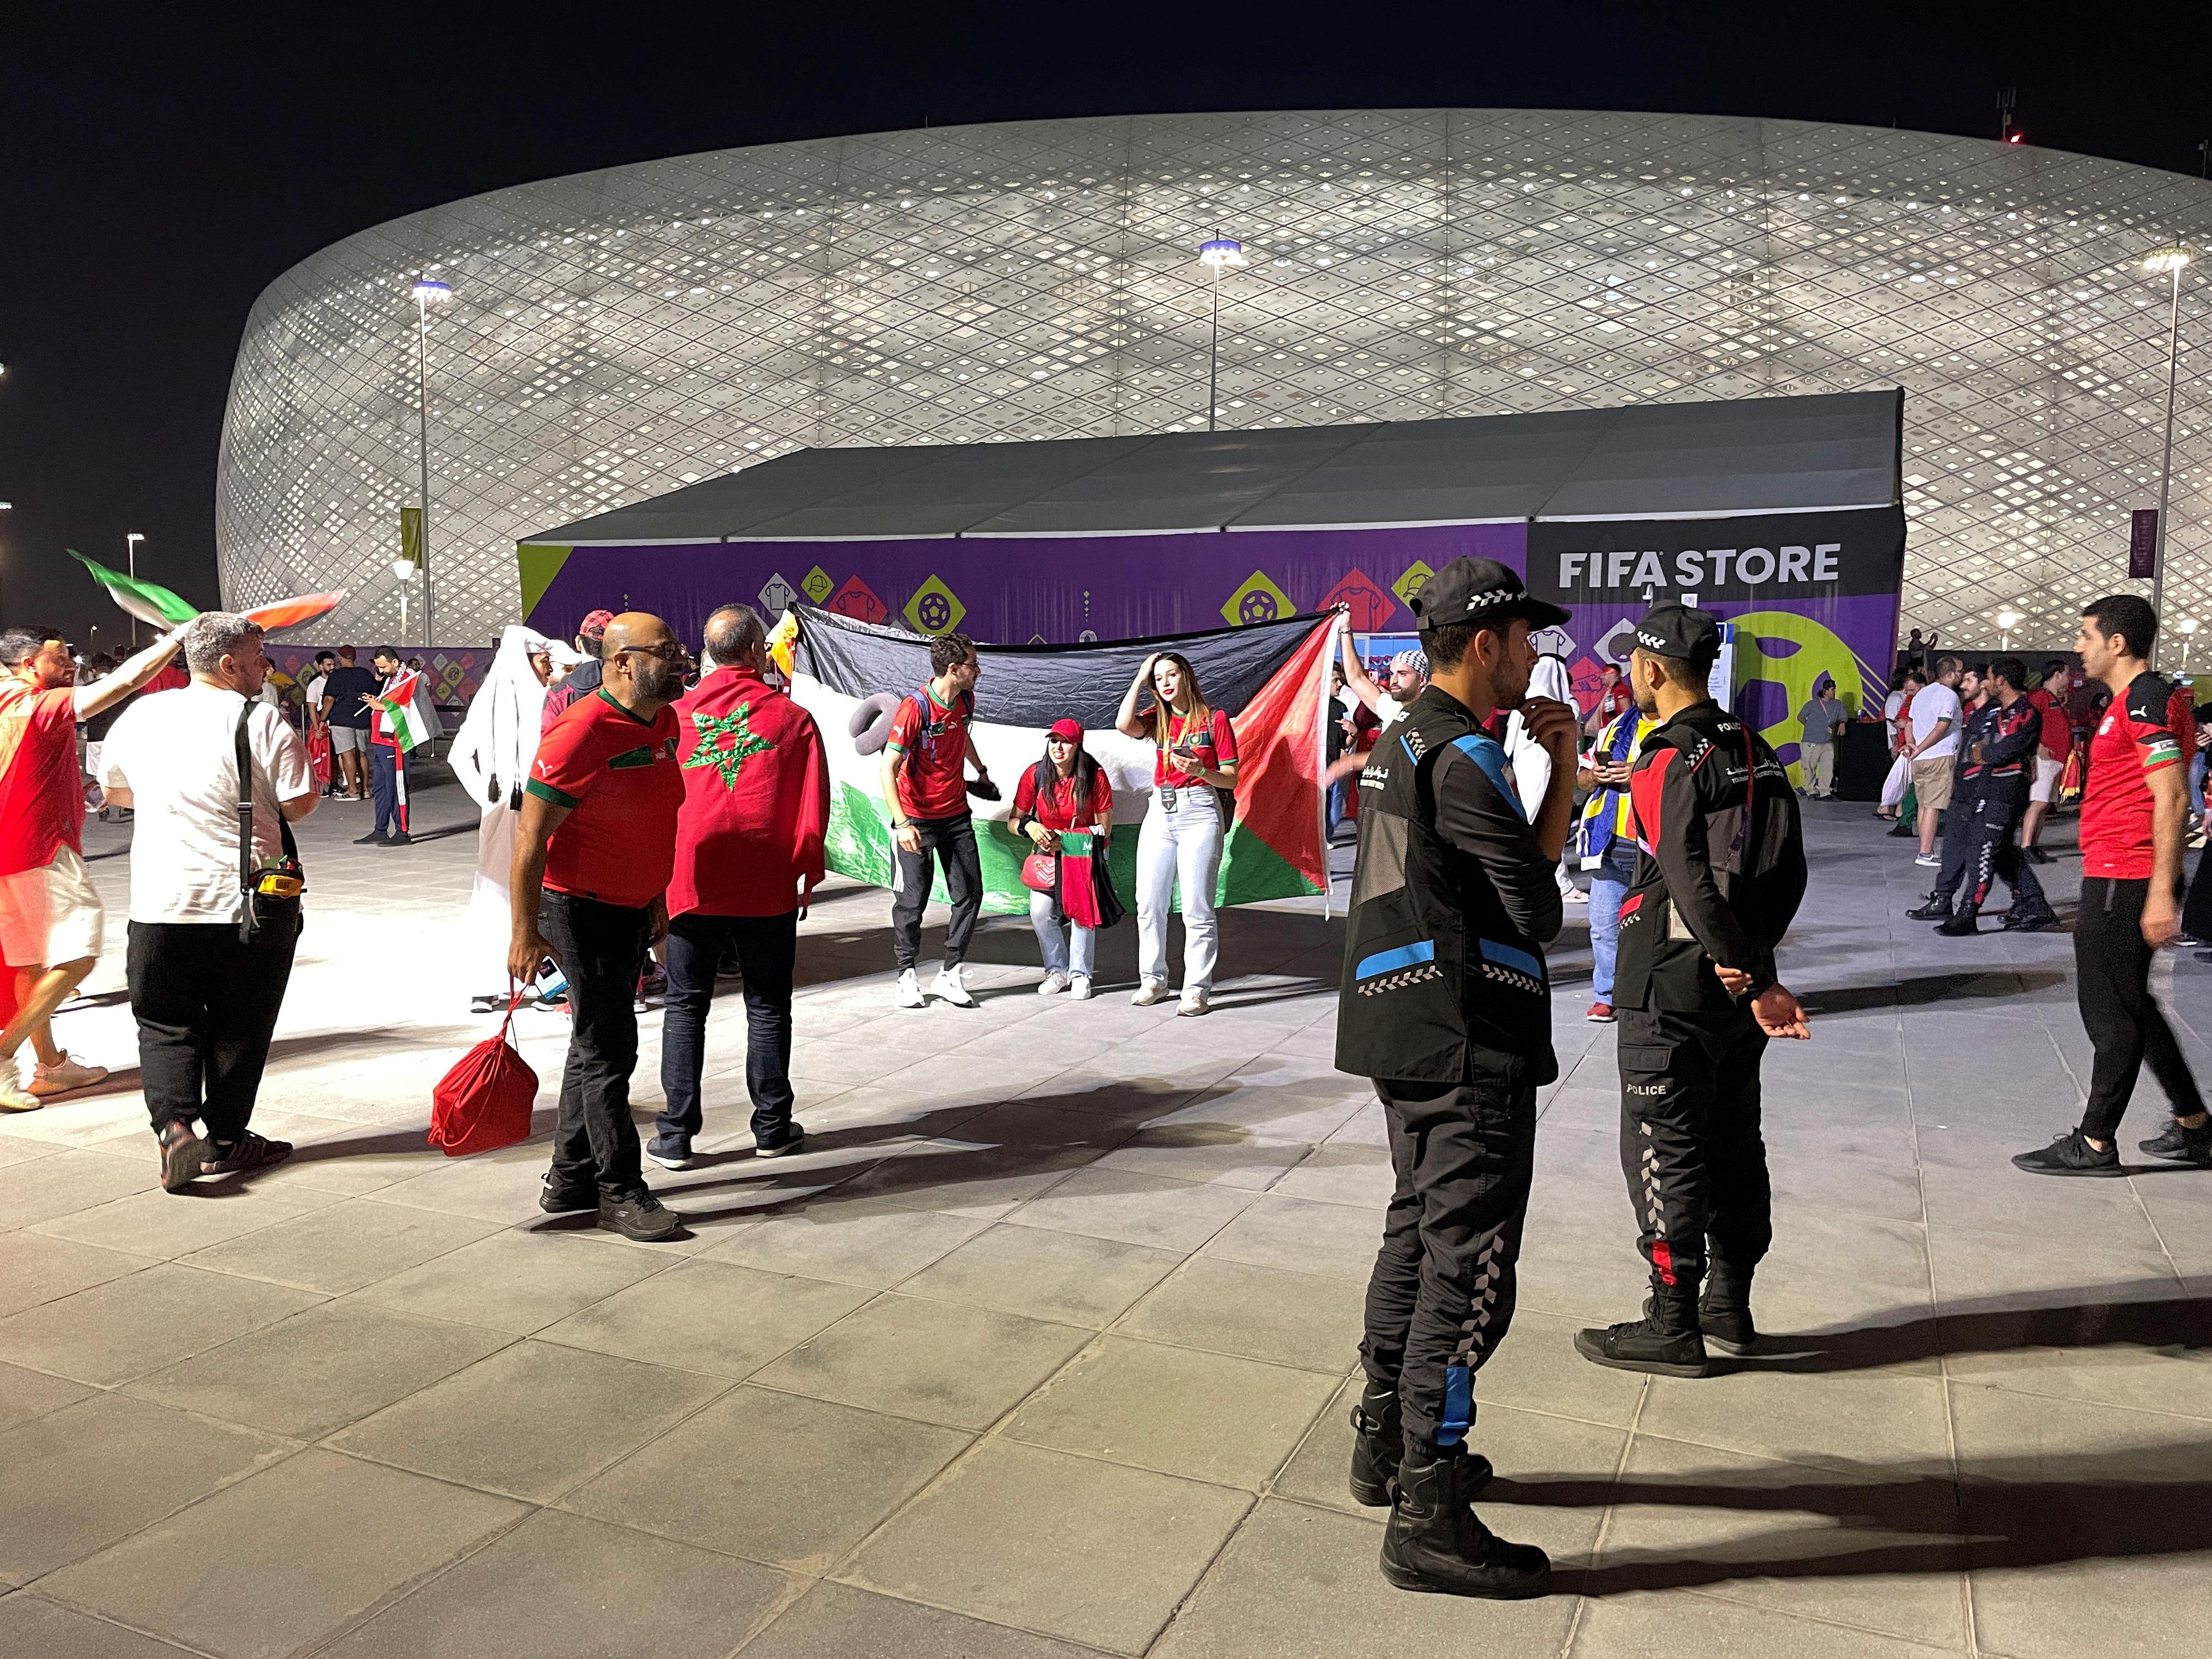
{"x": 156, "y": 177}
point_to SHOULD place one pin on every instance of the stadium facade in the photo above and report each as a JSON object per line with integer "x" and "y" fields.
{"x": 620, "y": 334}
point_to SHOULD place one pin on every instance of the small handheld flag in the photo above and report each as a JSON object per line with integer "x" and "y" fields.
{"x": 399, "y": 721}
{"x": 149, "y": 602}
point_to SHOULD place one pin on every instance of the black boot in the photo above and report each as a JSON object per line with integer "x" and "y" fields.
{"x": 1665, "y": 1342}
{"x": 1380, "y": 1442}
{"x": 1725, "y": 1311}
{"x": 1935, "y": 907}
{"x": 1434, "y": 1542}
{"x": 1959, "y": 925}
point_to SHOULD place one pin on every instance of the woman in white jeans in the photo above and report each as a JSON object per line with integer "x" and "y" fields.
{"x": 1065, "y": 791}
{"x": 1179, "y": 843}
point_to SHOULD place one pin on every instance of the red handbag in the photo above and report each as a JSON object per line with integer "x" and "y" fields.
{"x": 484, "y": 1102}
{"x": 1040, "y": 872}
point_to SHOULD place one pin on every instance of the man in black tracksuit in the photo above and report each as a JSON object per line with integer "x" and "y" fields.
{"x": 1446, "y": 1004}
{"x": 1998, "y": 753}
{"x": 1720, "y": 872}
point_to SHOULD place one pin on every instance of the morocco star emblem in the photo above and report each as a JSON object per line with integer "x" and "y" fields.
{"x": 744, "y": 742}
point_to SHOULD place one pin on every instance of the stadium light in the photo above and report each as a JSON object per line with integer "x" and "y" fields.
{"x": 2166, "y": 262}
{"x": 1215, "y": 254}
{"x": 2008, "y": 619}
{"x": 430, "y": 294}
{"x": 131, "y": 551}
{"x": 2188, "y": 639}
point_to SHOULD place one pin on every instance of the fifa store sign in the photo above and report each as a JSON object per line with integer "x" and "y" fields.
{"x": 1771, "y": 559}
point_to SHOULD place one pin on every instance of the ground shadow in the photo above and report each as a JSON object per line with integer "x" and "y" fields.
{"x": 1989, "y": 984}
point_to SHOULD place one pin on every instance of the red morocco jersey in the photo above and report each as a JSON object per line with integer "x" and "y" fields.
{"x": 617, "y": 774}
{"x": 2132, "y": 740}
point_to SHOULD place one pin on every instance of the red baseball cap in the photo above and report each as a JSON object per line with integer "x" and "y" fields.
{"x": 1070, "y": 731}
{"x": 594, "y": 626}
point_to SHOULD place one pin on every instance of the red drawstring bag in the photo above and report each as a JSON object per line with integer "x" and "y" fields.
{"x": 483, "y": 1103}
{"x": 319, "y": 755}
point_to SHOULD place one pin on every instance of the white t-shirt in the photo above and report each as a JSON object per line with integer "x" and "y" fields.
{"x": 1388, "y": 708}
{"x": 1932, "y": 704}
{"x": 315, "y": 695}
{"x": 177, "y": 755}
{"x": 1892, "y": 707}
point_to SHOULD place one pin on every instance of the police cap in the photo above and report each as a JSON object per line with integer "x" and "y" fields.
{"x": 1679, "y": 630}
{"x": 1480, "y": 591}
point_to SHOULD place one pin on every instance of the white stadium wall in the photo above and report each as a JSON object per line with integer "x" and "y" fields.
{"x": 620, "y": 334}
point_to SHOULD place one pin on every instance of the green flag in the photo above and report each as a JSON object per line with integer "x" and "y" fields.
{"x": 148, "y": 601}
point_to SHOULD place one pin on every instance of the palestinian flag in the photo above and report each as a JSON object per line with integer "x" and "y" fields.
{"x": 1272, "y": 678}
{"x": 149, "y": 602}
{"x": 399, "y": 722}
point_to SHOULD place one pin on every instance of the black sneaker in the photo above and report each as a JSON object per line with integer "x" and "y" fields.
{"x": 181, "y": 1154}
{"x": 1666, "y": 1342}
{"x": 2070, "y": 1154}
{"x": 402, "y": 839}
{"x": 1959, "y": 926}
{"x": 1904, "y": 832}
{"x": 1935, "y": 910}
{"x": 670, "y": 1154}
{"x": 2032, "y": 921}
{"x": 2182, "y": 1145}
{"x": 374, "y": 838}
{"x": 792, "y": 1137}
{"x": 557, "y": 1200}
{"x": 640, "y": 1215}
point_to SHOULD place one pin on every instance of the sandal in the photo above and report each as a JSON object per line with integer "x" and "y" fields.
{"x": 249, "y": 1151}
{"x": 181, "y": 1152}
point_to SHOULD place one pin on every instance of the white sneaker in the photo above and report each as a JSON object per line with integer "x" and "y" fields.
{"x": 1052, "y": 984}
{"x": 1078, "y": 988}
{"x": 1147, "y": 994}
{"x": 950, "y": 987}
{"x": 1573, "y": 896}
{"x": 1929, "y": 859}
{"x": 1194, "y": 1002}
{"x": 68, "y": 1075}
{"x": 13, "y": 1096}
{"x": 910, "y": 990}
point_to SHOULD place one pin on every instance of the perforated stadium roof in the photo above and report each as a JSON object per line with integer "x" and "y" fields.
{"x": 1672, "y": 460}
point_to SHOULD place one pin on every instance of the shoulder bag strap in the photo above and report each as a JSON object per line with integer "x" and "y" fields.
{"x": 245, "y": 803}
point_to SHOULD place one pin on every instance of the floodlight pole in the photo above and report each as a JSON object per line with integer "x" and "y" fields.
{"x": 2165, "y": 465}
{"x": 422, "y": 409}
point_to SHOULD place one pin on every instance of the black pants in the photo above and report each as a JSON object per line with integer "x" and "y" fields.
{"x": 1958, "y": 843}
{"x": 602, "y": 948}
{"x": 1690, "y": 1143}
{"x": 953, "y": 841}
{"x": 766, "y": 947}
{"x": 206, "y": 1005}
{"x": 1443, "y": 1287}
{"x": 384, "y": 785}
{"x": 1993, "y": 855}
{"x": 2197, "y": 913}
{"x": 2112, "y": 978}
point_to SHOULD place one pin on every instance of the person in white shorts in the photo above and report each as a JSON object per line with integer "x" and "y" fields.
{"x": 51, "y": 926}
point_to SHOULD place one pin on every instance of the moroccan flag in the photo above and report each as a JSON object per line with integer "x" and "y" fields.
{"x": 292, "y": 612}
{"x": 1271, "y": 678}
{"x": 398, "y": 721}
{"x": 149, "y": 602}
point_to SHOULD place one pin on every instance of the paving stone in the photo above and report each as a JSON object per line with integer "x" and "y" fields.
{"x": 1066, "y": 1277}
{"x": 34, "y": 1268}
{"x": 1650, "y": 1626}
{"x": 369, "y": 1531}
{"x": 1135, "y": 1209}
{"x": 1303, "y": 1320}
{"x": 519, "y": 1598}
{"x": 1066, "y": 1545}
{"x": 775, "y": 1476}
{"x": 512, "y": 1281}
{"x": 67, "y": 1182}
{"x": 1301, "y": 1235}
{"x": 26, "y": 1394}
{"x": 129, "y": 1326}
{"x": 836, "y": 1621}
{"x": 341, "y": 1247}
{"x": 84, "y": 1476}
{"x": 708, "y": 1317}
{"x": 963, "y": 1367}
{"x": 845, "y": 1244}
{"x": 165, "y": 1225}
{"x": 533, "y": 1420}
{"x": 320, "y": 1370}
{"x": 32, "y": 1626}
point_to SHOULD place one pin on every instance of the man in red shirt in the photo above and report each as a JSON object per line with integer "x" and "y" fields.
{"x": 748, "y": 855}
{"x": 925, "y": 782}
{"x": 51, "y": 926}
{"x": 2055, "y": 744}
{"x": 593, "y": 857}
{"x": 2131, "y": 831}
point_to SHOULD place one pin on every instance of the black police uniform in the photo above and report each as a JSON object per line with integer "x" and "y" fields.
{"x": 1445, "y": 1004}
{"x": 1719, "y": 874}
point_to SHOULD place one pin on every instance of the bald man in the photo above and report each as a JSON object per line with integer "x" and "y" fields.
{"x": 593, "y": 856}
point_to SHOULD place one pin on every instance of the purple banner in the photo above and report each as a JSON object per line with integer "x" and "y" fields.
{"x": 1045, "y": 590}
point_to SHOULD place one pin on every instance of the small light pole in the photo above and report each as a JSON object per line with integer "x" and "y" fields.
{"x": 2188, "y": 639}
{"x": 130, "y": 552}
{"x": 404, "y": 569}
{"x": 1214, "y": 255}
{"x": 2008, "y": 619}
{"x": 2167, "y": 261}
{"x": 429, "y": 295}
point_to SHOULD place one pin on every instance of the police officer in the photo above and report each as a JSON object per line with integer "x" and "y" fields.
{"x": 1720, "y": 871}
{"x": 1998, "y": 752}
{"x": 1446, "y": 1004}
{"x": 1963, "y": 815}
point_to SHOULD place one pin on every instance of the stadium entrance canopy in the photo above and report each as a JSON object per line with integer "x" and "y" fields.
{"x": 1784, "y": 514}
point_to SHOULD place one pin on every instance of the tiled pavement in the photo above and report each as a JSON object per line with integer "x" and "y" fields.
{"x": 1044, "y": 1347}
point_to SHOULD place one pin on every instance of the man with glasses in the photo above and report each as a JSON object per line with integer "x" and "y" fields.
{"x": 592, "y": 857}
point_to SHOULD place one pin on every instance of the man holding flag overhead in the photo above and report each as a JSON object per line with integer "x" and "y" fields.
{"x": 51, "y": 925}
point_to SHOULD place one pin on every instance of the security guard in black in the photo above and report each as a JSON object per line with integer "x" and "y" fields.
{"x": 1720, "y": 872}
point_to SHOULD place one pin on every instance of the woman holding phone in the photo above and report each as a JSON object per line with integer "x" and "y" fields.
{"x": 1180, "y": 841}
{"x": 1065, "y": 792}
